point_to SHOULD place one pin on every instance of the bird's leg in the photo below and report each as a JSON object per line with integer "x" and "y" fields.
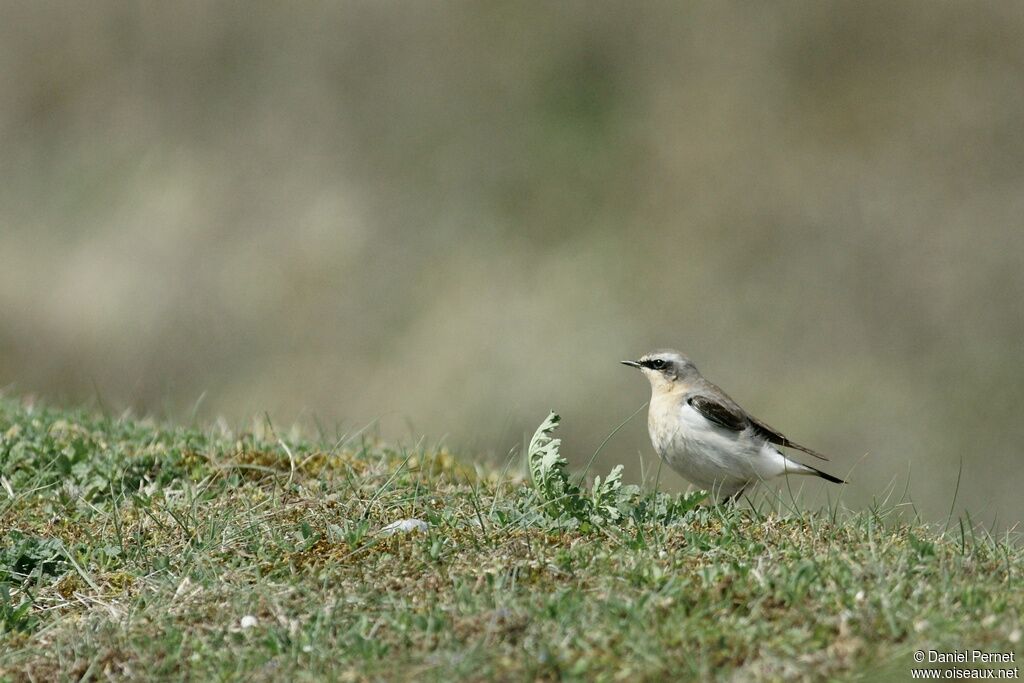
{"x": 734, "y": 498}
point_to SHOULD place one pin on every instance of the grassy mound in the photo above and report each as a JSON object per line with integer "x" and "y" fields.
{"x": 135, "y": 550}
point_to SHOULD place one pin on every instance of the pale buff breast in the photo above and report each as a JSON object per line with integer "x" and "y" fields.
{"x": 711, "y": 457}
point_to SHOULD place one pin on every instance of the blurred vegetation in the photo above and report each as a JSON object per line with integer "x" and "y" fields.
{"x": 463, "y": 214}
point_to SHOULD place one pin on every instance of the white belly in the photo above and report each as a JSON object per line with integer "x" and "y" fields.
{"x": 715, "y": 459}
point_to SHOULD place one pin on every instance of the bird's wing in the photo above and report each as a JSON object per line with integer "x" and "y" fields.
{"x": 723, "y": 413}
{"x": 779, "y": 439}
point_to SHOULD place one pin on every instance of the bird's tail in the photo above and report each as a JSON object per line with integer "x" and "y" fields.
{"x": 824, "y": 475}
{"x": 794, "y": 467}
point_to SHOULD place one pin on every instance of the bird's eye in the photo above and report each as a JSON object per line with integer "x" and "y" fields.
{"x": 658, "y": 364}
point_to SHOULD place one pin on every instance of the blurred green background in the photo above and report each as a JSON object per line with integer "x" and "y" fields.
{"x": 452, "y": 217}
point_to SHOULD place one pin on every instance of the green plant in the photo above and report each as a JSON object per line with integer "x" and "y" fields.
{"x": 609, "y": 501}
{"x": 25, "y": 558}
{"x": 14, "y": 617}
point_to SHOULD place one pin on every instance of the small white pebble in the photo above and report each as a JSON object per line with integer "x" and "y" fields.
{"x": 405, "y": 525}
{"x": 248, "y": 621}
{"x": 1014, "y": 635}
{"x": 182, "y": 587}
{"x": 860, "y": 596}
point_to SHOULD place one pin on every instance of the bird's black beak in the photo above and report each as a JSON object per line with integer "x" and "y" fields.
{"x": 631, "y": 363}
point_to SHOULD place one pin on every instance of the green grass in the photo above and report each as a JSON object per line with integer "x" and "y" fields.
{"x": 135, "y": 550}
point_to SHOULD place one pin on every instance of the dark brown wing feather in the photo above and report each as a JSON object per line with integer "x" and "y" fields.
{"x": 724, "y": 415}
{"x": 779, "y": 439}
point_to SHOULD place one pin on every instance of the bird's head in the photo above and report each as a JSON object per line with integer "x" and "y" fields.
{"x": 664, "y": 369}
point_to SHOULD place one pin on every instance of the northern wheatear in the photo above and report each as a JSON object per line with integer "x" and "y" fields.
{"x": 705, "y": 436}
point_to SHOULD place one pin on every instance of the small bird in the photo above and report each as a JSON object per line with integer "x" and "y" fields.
{"x": 705, "y": 436}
